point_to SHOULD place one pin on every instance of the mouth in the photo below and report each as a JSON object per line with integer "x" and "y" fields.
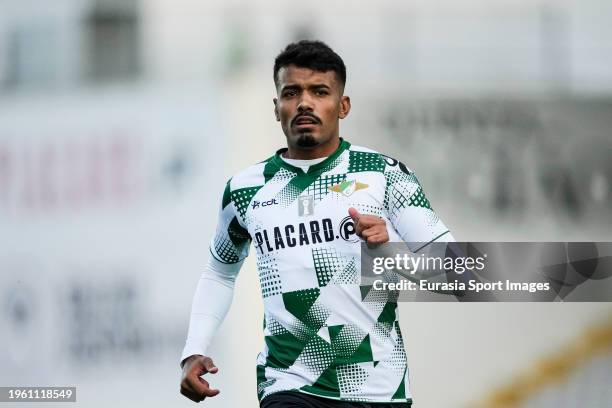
{"x": 305, "y": 121}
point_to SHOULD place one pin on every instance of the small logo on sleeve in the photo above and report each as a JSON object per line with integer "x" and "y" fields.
{"x": 348, "y": 187}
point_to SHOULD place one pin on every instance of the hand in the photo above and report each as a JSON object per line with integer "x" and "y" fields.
{"x": 192, "y": 385}
{"x": 371, "y": 228}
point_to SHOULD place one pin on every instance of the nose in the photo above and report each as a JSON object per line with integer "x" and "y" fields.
{"x": 305, "y": 103}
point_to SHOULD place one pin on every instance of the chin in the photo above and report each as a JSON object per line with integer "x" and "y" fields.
{"x": 306, "y": 140}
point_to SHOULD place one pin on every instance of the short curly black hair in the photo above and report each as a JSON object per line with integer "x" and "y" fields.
{"x": 315, "y": 55}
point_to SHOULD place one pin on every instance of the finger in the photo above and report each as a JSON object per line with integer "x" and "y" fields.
{"x": 374, "y": 229}
{"x": 191, "y": 395}
{"x": 207, "y": 391}
{"x": 378, "y": 239}
{"x": 366, "y": 233}
{"x": 210, "y": 366}
{"x": 200, "y": 387}
{"x": 189, "y": 391}
{"x": 190, "y": 384}
{"x": 369, "y": 220}
{"x": 354, "y": 214}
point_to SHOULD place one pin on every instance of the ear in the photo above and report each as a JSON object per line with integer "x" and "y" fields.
{"x": 345, "y": 107}
{"x": 275, "y": 100}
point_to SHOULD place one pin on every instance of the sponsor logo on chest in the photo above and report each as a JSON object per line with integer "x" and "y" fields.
{"x": 304, "y": 233}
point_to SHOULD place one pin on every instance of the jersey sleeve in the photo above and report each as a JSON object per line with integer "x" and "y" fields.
{"x": 409, "y": 210}
{"x": 211, "y": 302}
{"x": 231, "y": 241}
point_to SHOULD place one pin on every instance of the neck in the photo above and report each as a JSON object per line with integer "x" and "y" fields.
{"x": 322, "y": 150}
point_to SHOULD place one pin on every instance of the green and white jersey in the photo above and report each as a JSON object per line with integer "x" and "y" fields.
{"x": 325, "y": 333}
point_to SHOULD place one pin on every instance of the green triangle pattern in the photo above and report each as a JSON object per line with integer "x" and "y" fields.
{"x": 401, "y": 389}
{"x": 418, "y": 199}
{"x": 326, "y": 385}
{"x": 270, "y": 169}
{"x": 242, "y": 198}
{"x": 388, "y": 314}
{"x": 299, "y": 302}
{"x": 227, "y": 196}
{"x": 283, "y": 350}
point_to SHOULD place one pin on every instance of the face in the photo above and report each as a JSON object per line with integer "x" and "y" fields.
{"x": 309, "y": 106}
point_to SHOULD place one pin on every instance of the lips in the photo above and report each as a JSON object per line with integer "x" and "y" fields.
{"x": 305, "y": 120}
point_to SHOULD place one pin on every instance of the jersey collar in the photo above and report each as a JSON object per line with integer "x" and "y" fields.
{"x": 344, "y": 145}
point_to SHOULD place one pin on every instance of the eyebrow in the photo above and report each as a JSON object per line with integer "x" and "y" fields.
{"x": 314, "y": 86}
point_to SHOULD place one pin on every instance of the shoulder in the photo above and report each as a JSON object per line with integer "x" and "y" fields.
{"x": 243, "y": 185}
{"x": 363, "y": 159}
{"x": 249, "y": 177}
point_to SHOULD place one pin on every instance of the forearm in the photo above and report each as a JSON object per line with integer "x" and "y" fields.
{"x": 211, "y": 302}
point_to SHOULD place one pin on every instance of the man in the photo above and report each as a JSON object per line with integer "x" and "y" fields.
{"x": 329, "y": 342}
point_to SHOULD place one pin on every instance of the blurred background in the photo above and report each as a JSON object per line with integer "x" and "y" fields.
{"x": 121, "y": 120}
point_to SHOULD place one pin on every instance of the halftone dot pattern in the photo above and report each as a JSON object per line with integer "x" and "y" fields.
{"x": 351, "y": 378}
{"x": 365, "y": 161}
{"x": 376, "y": 296}
{"x": 398, "y": 355}
{"x": 334, "y": 163}
{"x": 242, "y": 198}
{"x": 282, "y": 175}
{"x": 368, "y": 209}
{"x": 348, "y": 340}
{"x": 329, "y": 265}
{"x": 348, "y": 275}
{"x": 381, "y": 332}
{"x": 320, "y": 188}
{"x": 269, "y": 276}
{"x": 299, "y": 330}
{"x": 316, "y": 316}
{"x": 397, "y": 176}
{"x": 225, "y": 249}
{"x": 418, "y": 199}
{"x": 308, "y": 296}
{"x": 288, "y": 194}
{"x": 326, "y": 262}
{"x": 317, "y": 356}
{"x": 431, "y": 217}
{"x": 274, "y": 327}
{"x": 398, "y": 190}
{"x": 392, "y": 277}
{"x": 375, "y": 301}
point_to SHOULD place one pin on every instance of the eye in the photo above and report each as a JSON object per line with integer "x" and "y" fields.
{"x": 289, "y": 93}
{"x": 321, "y": 92}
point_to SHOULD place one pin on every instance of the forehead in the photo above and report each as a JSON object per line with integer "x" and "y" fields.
{"x": 293, "y": 75}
